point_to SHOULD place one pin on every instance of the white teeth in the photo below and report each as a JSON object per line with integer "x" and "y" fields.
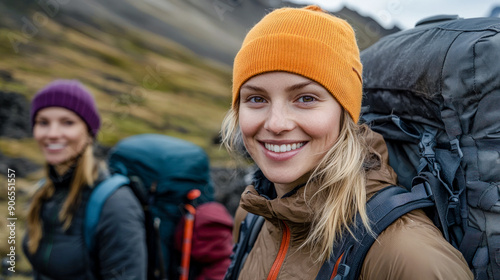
{"x": 283, "y": 148}
{"x": 55, "y": 146}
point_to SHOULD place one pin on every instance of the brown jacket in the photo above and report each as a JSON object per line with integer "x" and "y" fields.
{"x": 410, "y": 248}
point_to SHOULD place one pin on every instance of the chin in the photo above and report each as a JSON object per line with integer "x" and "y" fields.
{"x": 288, "y": 177}
{"x": 280, "y": 179}
{"x": 54, "y": 161}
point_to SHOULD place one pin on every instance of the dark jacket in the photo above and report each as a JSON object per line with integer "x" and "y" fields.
{"x": 410, "y": 248}
{"x": 120, "y": 238}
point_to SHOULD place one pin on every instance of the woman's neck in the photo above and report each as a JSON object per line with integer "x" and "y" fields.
{"x": 283, "y": 189}
{"x": 62, "y": 168}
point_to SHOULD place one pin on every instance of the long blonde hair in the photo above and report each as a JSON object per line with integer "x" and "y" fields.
{"x": 339, "y": 180}
{"x": 84, "y": 175}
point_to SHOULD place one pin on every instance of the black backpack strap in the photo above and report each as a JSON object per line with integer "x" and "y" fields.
{"x": 440, "y": 168}
{"x": 383, "y": 209}
{"x": 249, "y": 230}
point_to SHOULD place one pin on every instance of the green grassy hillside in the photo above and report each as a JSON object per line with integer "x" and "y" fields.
{"x": 143, "y": 83}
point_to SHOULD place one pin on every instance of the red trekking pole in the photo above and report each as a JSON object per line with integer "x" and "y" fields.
{"x": 188, "y": 232}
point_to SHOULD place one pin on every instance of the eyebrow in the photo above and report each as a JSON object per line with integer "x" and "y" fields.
{"x": 290, "y": 88}
{"x": 254, "y": 88}
{"x": 299, "y": 85}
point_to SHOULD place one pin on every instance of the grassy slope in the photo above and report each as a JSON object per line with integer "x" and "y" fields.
{"x": 142, "y": 84}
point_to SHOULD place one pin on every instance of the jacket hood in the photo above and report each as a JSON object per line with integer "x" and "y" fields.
{"x": 381, "y": 175}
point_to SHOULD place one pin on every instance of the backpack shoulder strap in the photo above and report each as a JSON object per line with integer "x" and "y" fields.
{"x": 98, "y": 197}
{"x": 383, "y": 209}
{"x": 249, "y": 230}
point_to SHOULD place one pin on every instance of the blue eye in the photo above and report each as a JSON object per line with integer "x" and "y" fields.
{"x": 306, "y": 99}
{"x": 257, "y": 99}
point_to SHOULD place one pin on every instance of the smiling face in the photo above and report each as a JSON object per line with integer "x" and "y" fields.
{"x": 61, "y": 134}
{"x": 288, "y": 123}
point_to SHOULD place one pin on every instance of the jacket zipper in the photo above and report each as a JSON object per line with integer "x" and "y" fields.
{"x": 50, "y": 239}
{"x": 280, "y": 258}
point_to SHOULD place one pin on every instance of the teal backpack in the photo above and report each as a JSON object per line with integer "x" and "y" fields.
{"x": 160, "y": 170}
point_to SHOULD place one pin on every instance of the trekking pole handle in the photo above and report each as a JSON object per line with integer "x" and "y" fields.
{"x": 187, "y": 241}
{"x": 193, "y": 194}
{"x": 188, "y": 232}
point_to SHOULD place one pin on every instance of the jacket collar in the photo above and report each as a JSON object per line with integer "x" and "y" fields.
{"x": 261, "y": 199}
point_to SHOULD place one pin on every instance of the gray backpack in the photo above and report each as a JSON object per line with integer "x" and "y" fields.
{"x": 433, "y": 92}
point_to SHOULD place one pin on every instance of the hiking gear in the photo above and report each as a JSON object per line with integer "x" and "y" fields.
{"x": 188, "y": 232}
{"x": 387, "y": 258}
{"x": 167, "y": 174}
{"x": 69, "y": 94}
{"x": 97, "y": 199}
{"x": 306, "y": 41}
{"x": 211, "y": 241}
{"x": 383, "y": 209}
{"x": 167, "y": 169}
{"x": 430, "y": 91}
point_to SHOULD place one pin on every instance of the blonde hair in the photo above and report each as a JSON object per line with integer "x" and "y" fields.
{"x": 84, "y": 175}
{"x": 339, "y": 180}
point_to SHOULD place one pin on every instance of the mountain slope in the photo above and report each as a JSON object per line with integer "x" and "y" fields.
{"x": 154, "y": 66}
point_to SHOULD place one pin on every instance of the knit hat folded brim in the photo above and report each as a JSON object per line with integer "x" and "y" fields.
{"x": 308, "y": 42}
{"x": 71, "y": 95}
{"x": 266, "y": 54}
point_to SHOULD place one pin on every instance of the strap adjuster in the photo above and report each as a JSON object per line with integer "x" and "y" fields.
{"x": 455, "y": 146}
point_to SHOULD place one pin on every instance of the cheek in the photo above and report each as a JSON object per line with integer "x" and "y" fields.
{"x": 325, "y": 129}
{"x": 249, "y": 127}
{"x": 37, "y": 134}
{"x": 79, "y": 136}
{"x": 248, "y": 123}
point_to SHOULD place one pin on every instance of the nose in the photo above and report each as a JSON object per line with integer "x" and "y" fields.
{"x": 53, "y": 130}
{"x": 279, "y": 120}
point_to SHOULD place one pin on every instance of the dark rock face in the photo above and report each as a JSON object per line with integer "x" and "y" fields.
{"x": 229, "y": 183}
{"x": 22, "y": 166}
{"x": 14, "y": 115}
{"x": 6, "y": 76}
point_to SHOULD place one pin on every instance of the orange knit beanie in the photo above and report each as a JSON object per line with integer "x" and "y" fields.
{"x": 309, "y": 42}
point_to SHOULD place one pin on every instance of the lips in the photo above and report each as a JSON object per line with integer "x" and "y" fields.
{"x": 282, "y": 148}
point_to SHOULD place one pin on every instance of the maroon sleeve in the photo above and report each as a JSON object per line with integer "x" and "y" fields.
{"x": 212, "y": 242}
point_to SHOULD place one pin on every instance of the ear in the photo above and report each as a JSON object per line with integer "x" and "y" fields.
{"x": 90, "y": 138}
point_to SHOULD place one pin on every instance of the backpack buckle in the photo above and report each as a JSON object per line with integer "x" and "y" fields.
{"x": 455, "y": 146}
{"x": 426, "y": 146}
{"x": 342, "y": 272}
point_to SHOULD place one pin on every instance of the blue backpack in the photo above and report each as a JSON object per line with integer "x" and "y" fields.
{"x": 160, "y": 170}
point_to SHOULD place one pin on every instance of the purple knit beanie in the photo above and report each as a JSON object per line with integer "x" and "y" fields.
{"x": 69, "y": 94}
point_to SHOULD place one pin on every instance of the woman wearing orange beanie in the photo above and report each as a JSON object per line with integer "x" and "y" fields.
{"x": 297, "y": 92}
